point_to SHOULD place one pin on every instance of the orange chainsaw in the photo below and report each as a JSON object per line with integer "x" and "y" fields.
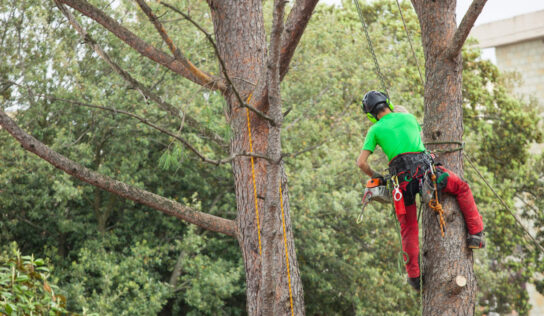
{"x": 376, "y": 190}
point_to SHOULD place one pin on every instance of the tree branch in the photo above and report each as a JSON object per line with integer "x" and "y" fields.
{"x": 464, "y": 28}
{"x": 162, "y": 130}
{"x": 133, "y": 82}
{"x": 298, "y": 18}
{"x": 152, "y": 200}
{"x": 223, "y": 66}
{"x": 182, "y": 67}
{"x": 162, "y": 32}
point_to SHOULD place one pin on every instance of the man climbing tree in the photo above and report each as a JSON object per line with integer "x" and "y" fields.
{"x": 399, "y": 135}
{"x": 250, "y": 74}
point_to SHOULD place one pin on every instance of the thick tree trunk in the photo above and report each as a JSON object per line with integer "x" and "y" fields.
{"x": 444, "y": 258}
{"x": 241, "y": 40}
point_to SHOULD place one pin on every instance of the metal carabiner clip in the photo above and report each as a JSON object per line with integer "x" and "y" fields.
{"x": 397, "y": 195}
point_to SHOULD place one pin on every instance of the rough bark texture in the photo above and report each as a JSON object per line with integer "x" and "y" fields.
{"x": 444, "y": 258}
{"x": 241, "y": 40}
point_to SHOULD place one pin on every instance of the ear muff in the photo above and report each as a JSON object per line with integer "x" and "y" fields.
{"x": 391, "y": 106}
{"x": 372, "y": 99}
{"x": 371, "y": 118}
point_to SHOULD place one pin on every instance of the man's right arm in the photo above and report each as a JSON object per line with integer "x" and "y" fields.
{"x": 362, "y": 162}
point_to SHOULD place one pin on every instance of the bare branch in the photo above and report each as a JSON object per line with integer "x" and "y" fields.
{"x": 182, "y": 67}
{"x": 162, "y": 32}
{"x": 152, "y": 200}
{"x": 464, "y": 28}
{"x": 292, "y": 155}
{"x": 161, "y": 129}
{"x": 223, "y": 66}
{"x": 294, "y": 28}
{"x": 148, "y": 93}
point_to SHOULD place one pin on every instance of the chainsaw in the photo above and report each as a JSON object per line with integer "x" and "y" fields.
{"x": 376, "y": 190}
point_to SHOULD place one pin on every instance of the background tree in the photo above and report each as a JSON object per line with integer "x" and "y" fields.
{"x": 165, "y": 267}
{"x": 243, "y": 55}
{"x": 445, "y": 258}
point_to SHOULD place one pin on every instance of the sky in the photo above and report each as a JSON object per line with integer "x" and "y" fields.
{"x": 495, "y": 10}
{"x": 500, "y": 9}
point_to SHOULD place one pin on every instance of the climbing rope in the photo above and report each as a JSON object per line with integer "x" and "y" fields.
{"x": 286, "y": 252}
{"x": 504, "y": 203}
{"x": 435, "y": 205}
{"x": 371, "y": 47}
{"x": 253, "y": 176}
{"x": 446, "y": 151}
{"x": 411, "y": 46}
{"x": 257, "y": 210}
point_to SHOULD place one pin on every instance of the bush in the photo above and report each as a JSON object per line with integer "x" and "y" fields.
{"x": 24, "y": 289}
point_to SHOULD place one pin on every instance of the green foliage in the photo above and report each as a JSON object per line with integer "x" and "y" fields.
{"x": 116, "y": 257}
{"x": 24, "y": 285}
{"x": 110, "y": 279}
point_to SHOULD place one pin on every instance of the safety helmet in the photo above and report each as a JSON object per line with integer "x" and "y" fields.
{"x": 371, "y": 100}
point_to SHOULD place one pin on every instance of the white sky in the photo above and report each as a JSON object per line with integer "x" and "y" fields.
{"x": 499, "y": 9}
{"x": 493, "y": 10}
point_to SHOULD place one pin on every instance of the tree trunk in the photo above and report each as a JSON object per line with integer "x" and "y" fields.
{"x": 241, "y": 41}
{"x": 443, "y": 259}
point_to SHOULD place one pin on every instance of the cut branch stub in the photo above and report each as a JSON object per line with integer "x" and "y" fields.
{"x": 456, "y": 285}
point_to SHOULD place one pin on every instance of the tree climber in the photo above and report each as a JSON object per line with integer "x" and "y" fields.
{"x": 399, "y": 135}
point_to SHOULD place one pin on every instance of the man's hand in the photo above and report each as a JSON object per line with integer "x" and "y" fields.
{"x": 377, "y": 175}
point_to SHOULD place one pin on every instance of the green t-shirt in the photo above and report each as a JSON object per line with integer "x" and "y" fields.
{"x": 396, "y": 133}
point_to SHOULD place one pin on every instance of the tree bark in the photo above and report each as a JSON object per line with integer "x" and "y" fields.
{"x": 241, "y": 42}
{"x": 444, "y": 259}
{"x": 275, "y": 287}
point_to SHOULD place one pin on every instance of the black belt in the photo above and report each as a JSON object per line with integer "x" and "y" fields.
{"x": 410, "y": 162}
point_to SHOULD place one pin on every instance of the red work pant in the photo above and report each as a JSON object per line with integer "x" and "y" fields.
{"x": 409, "y": 227}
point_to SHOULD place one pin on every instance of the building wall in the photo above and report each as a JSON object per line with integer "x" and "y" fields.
{"x": 527, "y": 58}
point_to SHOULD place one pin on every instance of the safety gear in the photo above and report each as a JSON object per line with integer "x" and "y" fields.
{"x": 415, "y": 163}
{"x": 476, "y": 241}
{"x": 371, "y": 100}
{"x": 376, "y": 190}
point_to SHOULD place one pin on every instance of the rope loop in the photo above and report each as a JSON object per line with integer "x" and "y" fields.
{"x": 446, "y": 151}
{"x": 435, "y": 205}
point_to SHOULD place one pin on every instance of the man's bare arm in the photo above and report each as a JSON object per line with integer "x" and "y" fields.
{"x": 362, "y": 162}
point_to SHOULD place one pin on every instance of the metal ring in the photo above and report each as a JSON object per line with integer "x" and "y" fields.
{"x": 396, "y": 193}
